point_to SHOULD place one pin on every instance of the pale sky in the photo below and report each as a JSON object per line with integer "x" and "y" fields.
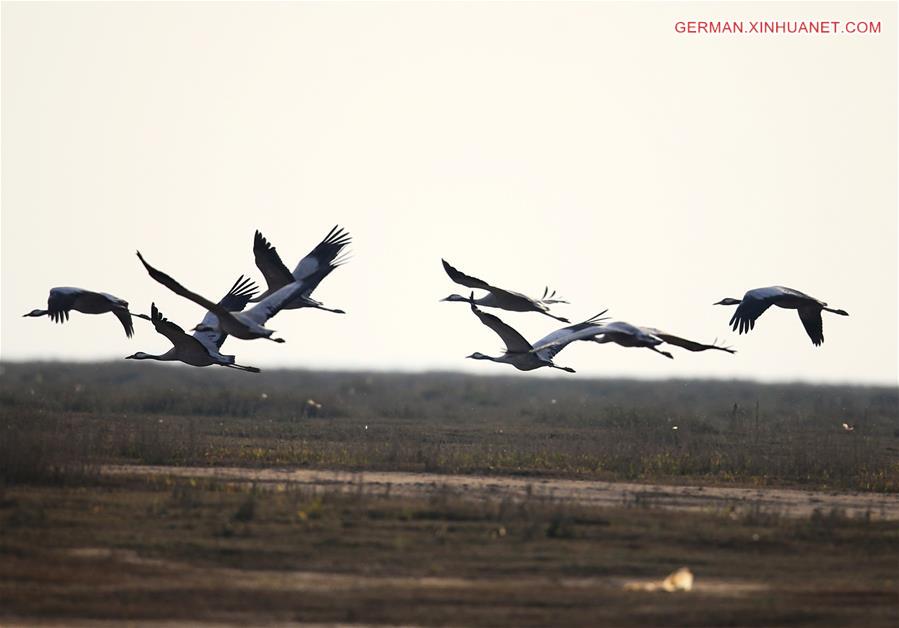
{"x": 584, "y": 146}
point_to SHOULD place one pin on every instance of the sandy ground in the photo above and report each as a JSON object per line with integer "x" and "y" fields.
{"x": 786, "y": 502}
{"x": 175, "y": 575}
{"x": 161, "y": 576}
{"x": 167, "y": 579}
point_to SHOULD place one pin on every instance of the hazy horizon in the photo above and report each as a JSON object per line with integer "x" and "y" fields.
{"x": 508, "y": 374}
{"x": 587, "y": 147}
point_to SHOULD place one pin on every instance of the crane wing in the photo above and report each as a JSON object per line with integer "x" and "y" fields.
{"x": 321, "y": 260}
{"x": 566, "y": 335}
{"x": 515, "y": 342}
{"x": 811, "y": 320}
{"x": 500, "y": 295}
{"x": 753, "y": 305}
{"x": 239, "y": 295}
{"x": 684, "y": 343}
{"x": 170, "y": 330}
{"x": 180, "y": 290}
{"x": 124, "y": 317}
{"x": 61, "y": 301}
{"x": 465, "y": 280}
{"x": 269, "y": 263}
{"x": 792, "y": 292}
{"x": 234, "y": 301}
{"x": 275, "y": 302}
{"x": 550, "y": 345}
{"x": 593, "y": 321}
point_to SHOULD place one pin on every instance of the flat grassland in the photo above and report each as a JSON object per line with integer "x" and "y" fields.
{"x": 86, "y": 537}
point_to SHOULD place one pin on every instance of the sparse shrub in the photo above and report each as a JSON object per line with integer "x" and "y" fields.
{"x": 37, "y": 448}
{"x": 59, "y": 420}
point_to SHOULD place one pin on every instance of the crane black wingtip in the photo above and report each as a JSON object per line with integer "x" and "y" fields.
{"x": 260, "y": 243}
{"x": 145, "y": 262}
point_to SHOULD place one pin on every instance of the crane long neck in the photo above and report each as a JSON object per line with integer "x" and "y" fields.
{"x": 482, "y": 356}
{"x": 168, "y": 356}
{"x": 319, "y": 306}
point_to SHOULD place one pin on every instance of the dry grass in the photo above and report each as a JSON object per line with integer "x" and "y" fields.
{"x": 77, "y": 416}
{"x": 78, "y": 545}
{"x": 203, "y": 551}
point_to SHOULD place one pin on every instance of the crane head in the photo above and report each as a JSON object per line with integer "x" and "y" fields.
{"x": 455, "y": 297}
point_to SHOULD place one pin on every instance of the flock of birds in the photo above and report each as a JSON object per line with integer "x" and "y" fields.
{"x": 288, "y": 290}
{"x": 526, "y": 356}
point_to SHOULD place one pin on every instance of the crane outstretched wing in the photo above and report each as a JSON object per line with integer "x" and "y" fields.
{"x": 515, "y": 342}
{"x": 124, "y": 317}
{"x": 234, "y": 301}
{"x": 269, "y": 263}
{"x": 550, "y": 345}
{"x": 321, "y": 260}
{"x": 60, "y": 302}
{"x": 176, "y": 335}
{"x": 811, "y": 320}
{"x": 239, "y": 295}
{"x": 753, "y": 305}
{"x": 275, "y": 302}
{"x": 119, "y": 307}
{"x": 790, "y": 292}
{"x": 180, "y": 290}
{"x": 465, "y": 280}
{"x": 684, "y": 343}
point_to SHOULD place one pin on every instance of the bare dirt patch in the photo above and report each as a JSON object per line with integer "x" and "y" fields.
{"x": 785, "y": 502}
